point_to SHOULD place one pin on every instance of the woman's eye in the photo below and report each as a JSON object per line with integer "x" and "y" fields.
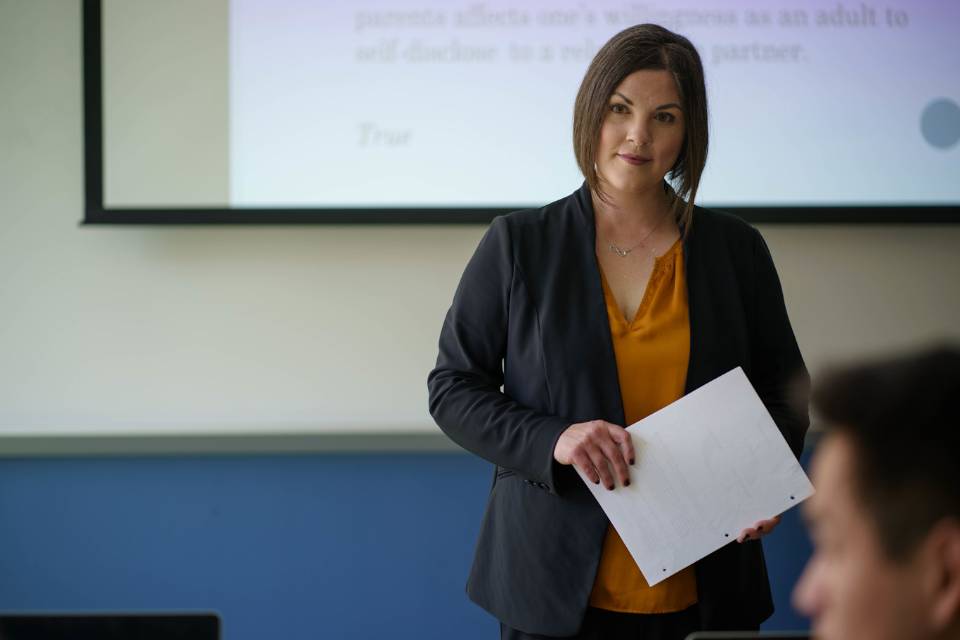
{"x": 618, "y": 108}
{"x": 663, "y": 116}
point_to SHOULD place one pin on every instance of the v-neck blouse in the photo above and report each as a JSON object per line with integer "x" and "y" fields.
{"x": 652, "y": 353}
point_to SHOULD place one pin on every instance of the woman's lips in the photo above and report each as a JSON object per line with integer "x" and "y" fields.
{"x": 633, "y": 159}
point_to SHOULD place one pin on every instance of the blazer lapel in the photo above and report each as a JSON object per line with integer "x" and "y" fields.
{"x": 595, "y": 386}
{"x": 706, "y": 341}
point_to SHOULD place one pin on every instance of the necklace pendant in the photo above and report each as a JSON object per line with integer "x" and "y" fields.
{"x": 620, "y": 252}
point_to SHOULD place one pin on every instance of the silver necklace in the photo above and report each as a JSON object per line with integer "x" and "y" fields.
{"x": 623, "y": 253}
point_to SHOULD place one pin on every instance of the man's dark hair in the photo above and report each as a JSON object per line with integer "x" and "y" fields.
{"x": 902, "y": 415}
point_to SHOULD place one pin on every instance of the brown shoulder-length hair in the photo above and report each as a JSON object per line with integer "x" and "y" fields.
{"x": 646, "y": 46}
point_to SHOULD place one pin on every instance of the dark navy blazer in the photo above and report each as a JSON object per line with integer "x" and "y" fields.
{"x": 529, "y": 316}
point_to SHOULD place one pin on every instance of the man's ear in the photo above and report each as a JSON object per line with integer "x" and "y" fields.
{"x": 941, "y": 566}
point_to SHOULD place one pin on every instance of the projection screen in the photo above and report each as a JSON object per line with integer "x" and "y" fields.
{"x": 271, "y": 111}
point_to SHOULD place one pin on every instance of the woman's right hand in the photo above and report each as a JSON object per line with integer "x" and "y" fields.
{"x": 595, "y": 448}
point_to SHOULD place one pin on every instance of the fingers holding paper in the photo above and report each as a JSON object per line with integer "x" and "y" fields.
{"x": 759, "y": 529}
{"x": 602, "y": 451}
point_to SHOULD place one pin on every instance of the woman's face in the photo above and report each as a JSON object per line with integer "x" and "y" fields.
{"x": 642, "y": 132}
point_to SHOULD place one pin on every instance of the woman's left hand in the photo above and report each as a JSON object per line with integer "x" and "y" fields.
{"x": 759, "y": 529}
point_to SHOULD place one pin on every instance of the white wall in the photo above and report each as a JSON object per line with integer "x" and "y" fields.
{"x": 313, "y": 328}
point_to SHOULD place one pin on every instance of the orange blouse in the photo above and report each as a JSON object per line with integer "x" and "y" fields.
{"x": 652, "y": 354}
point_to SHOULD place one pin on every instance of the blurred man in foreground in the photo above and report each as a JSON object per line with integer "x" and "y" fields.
{"x": 885, "y": 520}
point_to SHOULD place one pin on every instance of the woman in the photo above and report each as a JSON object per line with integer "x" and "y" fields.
{"x": 577, "y": 319}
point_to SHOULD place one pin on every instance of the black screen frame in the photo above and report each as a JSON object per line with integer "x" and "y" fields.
{"x": 95, "y": 213}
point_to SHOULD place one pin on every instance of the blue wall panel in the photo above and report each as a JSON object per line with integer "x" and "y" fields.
{"x": 287, "y": 546}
